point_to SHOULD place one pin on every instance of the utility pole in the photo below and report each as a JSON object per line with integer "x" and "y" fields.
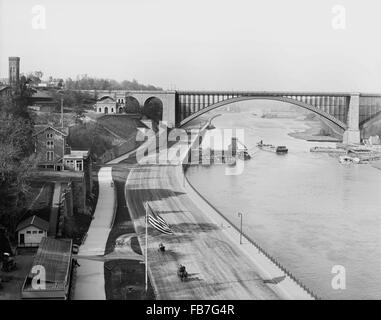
{"x": 63, "y": 138}
{"x": 62, "y": 119}
{"x": 240, "y": 235}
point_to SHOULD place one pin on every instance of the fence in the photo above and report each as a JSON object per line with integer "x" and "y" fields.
{"x": 254, "y": 243}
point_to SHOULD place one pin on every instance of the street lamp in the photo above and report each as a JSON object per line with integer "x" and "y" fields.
{"x": 240, "y": 235}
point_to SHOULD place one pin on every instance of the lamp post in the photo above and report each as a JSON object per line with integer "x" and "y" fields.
{"x": 240, "y": 235}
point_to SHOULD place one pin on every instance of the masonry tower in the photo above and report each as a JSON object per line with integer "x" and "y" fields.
{"x": 14, "y": 71}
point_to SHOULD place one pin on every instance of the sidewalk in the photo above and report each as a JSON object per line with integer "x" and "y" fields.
{"x": 90, "y": 282}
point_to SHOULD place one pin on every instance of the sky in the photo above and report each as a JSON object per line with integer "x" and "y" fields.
{"x": 299, "y": 45}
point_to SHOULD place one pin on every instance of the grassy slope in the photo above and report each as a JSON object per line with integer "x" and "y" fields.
{"x": 123, "y": 126}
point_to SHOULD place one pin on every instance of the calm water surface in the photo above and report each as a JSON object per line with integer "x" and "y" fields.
{"x": 306, "y": 209}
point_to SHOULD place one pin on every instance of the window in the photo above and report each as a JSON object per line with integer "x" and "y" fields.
{"x": 49, "y": 155}
{"x": 50, "y": 144}
{"x": 79, "y": 166}
{"x": 34, "y": 232}
{"x": 28, "y": 232}
{"x": 49, "y": 135}
{"x": 40, "y": 231}
{"x": 100, "y": 110}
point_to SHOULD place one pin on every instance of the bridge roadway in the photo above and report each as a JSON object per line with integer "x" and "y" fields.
{"x": 217, "y": 268}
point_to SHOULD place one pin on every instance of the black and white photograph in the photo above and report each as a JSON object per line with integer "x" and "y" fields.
{"x": 210, "y": 151}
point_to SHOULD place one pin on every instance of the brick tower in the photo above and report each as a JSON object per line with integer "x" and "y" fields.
{"x": 14, "y": 71}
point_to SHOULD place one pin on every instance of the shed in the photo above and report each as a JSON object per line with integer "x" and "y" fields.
{"x": 31, "y": 231}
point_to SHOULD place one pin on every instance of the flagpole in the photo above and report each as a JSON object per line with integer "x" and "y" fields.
{"x": 146, "y": 248}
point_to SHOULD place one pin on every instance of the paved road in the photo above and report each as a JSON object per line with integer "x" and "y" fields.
{"x": 217, "y": 268}
{"x": 90, "y": 282}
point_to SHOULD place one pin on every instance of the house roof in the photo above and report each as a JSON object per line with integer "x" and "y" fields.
{"x": 42, "y": 94}
{"x": 41, "y": 128}
{"x": 77, "y": 154}
{"x": 101, "y": 99}
{"x": 4, "y": 87}
{"x": 33, "y": 221}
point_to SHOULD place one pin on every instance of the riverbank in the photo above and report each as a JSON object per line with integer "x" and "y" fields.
{"x": 280, "y": 280}
{"x": 313, "y": 133}
{"x": 377, "y": 165}
{"x": 305, "y": 209}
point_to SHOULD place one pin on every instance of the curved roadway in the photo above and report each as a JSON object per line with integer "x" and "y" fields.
{"x": 217, "y": 268}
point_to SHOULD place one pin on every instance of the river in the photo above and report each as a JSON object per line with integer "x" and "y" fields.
{"x": 306, "y": 209}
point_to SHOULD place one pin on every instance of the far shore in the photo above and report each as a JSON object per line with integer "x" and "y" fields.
{"x": 312, "y": 133}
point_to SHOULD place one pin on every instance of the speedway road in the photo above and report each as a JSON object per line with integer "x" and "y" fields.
{"x": 217, "y": 268}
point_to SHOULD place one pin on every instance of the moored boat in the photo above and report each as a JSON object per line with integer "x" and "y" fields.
{"x": 328, "y": 150}
{"x": 349, "y": 160}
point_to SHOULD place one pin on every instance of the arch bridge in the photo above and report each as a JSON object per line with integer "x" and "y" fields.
{"x": 348, "y": 111}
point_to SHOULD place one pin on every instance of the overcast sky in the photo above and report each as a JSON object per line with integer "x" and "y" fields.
{"x": 200, "y": 44}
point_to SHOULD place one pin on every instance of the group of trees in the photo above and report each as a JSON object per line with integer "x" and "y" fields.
{"x": 16, "y": 154}
{"x": 90, "y": 136}
{"x": 85, "y": 82}
{"x": 89, "y": 83}
{"x": 73, "y": 99}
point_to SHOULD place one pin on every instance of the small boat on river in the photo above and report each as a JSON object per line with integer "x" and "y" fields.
{"x": 281, "y": 150}
{"x": 272, "y": 148}
{"x": 349, "y": 160}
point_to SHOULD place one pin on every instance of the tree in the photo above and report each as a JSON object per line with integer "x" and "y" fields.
{"x": 89, "y": 136}
{"x": 74, "y": 99}
{"x": 35, "y": 77}
{"x": 88, "y": 83}
{"x": 16, "y": 154}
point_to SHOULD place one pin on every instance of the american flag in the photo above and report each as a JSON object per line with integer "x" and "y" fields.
{"x": 157, "y": 222}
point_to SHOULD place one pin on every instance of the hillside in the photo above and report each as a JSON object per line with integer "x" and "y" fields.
{"x": 122, "y": 125}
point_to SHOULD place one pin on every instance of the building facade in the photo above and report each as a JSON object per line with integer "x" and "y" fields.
{"x": 106, "y": 105}
{"x": 50, "y": 146}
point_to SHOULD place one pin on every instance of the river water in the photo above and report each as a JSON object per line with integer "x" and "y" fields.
{"x": 306, "y": 209}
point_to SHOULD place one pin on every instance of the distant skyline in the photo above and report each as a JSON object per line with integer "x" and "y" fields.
{"x": 200, "y": 45}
